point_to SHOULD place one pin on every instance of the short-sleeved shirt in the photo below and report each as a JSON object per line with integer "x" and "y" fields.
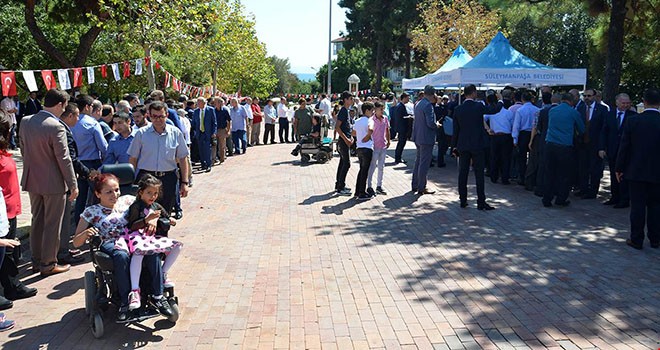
{"x": 304, "y": 118}
{"x": 158, "y": 152}
{"x": 222, "y": 117}
{"x": 237, "y": 116}
{"x": 118, "y": 149}
{"x": 379, "y": 135}
{"x": 361, "y": 129}
{"x": 111, "y": 222}
{"x": 345, "y": 123}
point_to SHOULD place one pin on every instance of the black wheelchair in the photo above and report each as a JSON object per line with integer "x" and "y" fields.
{"x": 100, "y": 287}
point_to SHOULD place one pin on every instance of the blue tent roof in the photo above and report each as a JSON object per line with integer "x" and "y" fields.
{"x": 500, "y": 54}
{"x": 458, "y": 59}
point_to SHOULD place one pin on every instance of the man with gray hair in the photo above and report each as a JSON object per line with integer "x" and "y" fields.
{"x": 424, "y": 132}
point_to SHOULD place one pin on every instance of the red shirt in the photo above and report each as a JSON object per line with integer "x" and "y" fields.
{"x": 9, "y": 184}
{"x": 256, "y": 113}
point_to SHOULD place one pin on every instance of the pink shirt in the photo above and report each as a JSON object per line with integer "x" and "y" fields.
{"x": 379, "y": 135}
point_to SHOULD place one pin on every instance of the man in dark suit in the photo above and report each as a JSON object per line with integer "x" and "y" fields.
{"x": 399, "y": 113}
{"x": 590, "y": 165}
{"x": 610, "y": 139}
{"x": 638, "y": 162}
{"x": 424, "y": 133}
{"x": 540, "y": 133}
{"x": 32, "y": 105}
{"x": 204, "y": 127}
{"x": 470, "y": 141}
{"x": 45, "y": 151}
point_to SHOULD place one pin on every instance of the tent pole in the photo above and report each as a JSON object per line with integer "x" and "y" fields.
{"x": 459, "y": 93}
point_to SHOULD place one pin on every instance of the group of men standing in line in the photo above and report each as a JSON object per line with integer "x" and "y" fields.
{"x": 561, "y": 144}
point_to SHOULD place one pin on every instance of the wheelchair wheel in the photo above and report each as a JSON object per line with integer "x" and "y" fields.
{"x": 97, "y": 325}
{"x": 322, "y": 157}
{"x": 304, "y": 158}
{"x": 175, "y": 312}
{"x": 90, "y": 292}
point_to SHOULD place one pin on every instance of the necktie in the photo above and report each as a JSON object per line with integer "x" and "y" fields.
{"x": 588, "y": 114}
{"x": 618, "y": 118}
{"x": 201, "y": 120}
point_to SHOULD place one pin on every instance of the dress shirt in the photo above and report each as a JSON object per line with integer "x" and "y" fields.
{"x": 185, "y": 122}
{"x": 524, "y": 119}
{"x": 222, "y": 117}
{"x": 620, "y": 115}
{"x": 500, "y": 122}
{"x": 89, "y": 137}
{"x": 379, "y": 135}
{"x": 237, "y": 116}
{"x": 248, "y": 110}
{"x": 271, "y": 114}
{"x": 282, "y": 111}
{"x": 118, "y": 149}
{"x": 563, "y": 120}
{"x": 158, "y": 152}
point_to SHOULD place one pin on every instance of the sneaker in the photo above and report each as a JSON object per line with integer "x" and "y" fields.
{"x": 371, "y": 191}
{"x": 344, "y": 192}
{"x": 163, "y": 306}
{"x": 380, "y": 190}
{"x": 6, "y": 325}
{"x": 167, "y": 283}
{"x": 122, "y": 314}
{"x": 134, "y": 299}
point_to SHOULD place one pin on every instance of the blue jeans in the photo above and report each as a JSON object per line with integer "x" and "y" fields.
{"x": 236, "y": 136}
{"x": 121, "y": 263}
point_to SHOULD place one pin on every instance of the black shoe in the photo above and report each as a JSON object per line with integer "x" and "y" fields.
{"x": 5, "y": 303}
{"x": 432, "y": 165}
{"x": 163, "y": 306}
{"x": 122, "y": 314}
{"x": 380, "y": 190}
{"x": 621, "y": 205}
{"x": 414, "y": 190}
{"x": 425, "y": 191}
{"x": 565, "y": 203}
{"x": 22, "y": 292}
{"x": 208, "y": 170}
{"x": 463, "y": 204}
{"x": 630, "y": 243}
{"x": 609, "y": 202}
{"x": 485, "y": 206}
{"x": 68, "y": 258}
{"x": 363, "y": 197}
{"x": 400, "y": 161}
{"x": 294, "y": 153}
{"x": 547, "y": 204}
{"x": 371, "y": 192}
{"x": 442, "y": 165}
{"x": 178, "y": 215}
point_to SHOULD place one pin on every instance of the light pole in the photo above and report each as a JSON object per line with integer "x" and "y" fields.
{"x": 330, "y": 51}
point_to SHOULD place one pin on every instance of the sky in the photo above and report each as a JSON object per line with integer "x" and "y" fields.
{"x": 297, "y": 29}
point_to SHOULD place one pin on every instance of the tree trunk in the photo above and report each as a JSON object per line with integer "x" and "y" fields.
{"x": 379, "y": 67}
{"x": 614, "y": 58}
{"x": 41, "y": 40}
{"x": 215, "y": 79}
{"x": 151, "y": 78}
{"x": 85, "y": 45}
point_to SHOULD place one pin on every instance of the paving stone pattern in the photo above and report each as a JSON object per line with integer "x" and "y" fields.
{"x": 273, "y": 260}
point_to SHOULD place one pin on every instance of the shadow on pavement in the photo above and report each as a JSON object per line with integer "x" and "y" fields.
{"x": 318, "y": 198}
{"x": 66, "y": 288}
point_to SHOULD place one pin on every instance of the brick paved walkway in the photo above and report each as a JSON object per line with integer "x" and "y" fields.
{"x": 274, "y": 260}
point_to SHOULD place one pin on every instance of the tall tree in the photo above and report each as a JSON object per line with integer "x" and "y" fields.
{"x": 349, "y": 61}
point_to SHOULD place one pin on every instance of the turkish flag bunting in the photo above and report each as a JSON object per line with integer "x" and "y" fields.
{"x": 8, "y": 84}
{"x": 146, "y": 61}
{"x": 175, "y": 84}
{"x": 127, "y": 69}
{"x": 49, "y": 79}
{"x": 157, "y": 65}
{"x": 104, "y": 71}
{"x": 77, "y": 77}
{"x": 167, "y": 80}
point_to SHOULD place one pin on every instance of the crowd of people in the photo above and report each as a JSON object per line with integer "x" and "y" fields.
{"x": 549, "y": 144}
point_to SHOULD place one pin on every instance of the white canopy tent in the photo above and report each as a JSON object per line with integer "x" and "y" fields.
{"x": 441, "y": 77}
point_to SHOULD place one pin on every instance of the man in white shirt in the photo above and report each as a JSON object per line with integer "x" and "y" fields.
{"x": 282, "y": 116}
{"x": 248, "y": 110}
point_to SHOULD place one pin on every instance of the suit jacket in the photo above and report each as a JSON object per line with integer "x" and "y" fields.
{"x": 639, "y": 152}
{"x": 31, "y": 107}
{"x": 398, "y": 113}
{"x": 469, "y": 131}
{"x": 610, "y": 135}
{"x": 47, "y": 166}
{"x": 210, "y": 125}
{"x": 593, "y": 126}
{"x": 78, "y": 167}
{"x": 424, "y": 127}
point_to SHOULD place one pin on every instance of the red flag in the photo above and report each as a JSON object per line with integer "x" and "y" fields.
{"x": 127, "y": 69}
{"x": 49, "y": 79}
{"x": 104, "y": 71}
{"x": 8, "y": 84}
{"x": 157, "y": 65}
{"x": 167, "y": 80}
{"x": 77, "y": 77}
{"x": 146, "y": 61}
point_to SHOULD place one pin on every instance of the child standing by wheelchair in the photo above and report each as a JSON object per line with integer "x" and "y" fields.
{"x": 148, "y": 223}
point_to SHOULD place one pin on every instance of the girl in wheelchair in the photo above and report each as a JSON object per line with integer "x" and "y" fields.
{"x": 313, "y": 136}
{"x": 149, "y": 224}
